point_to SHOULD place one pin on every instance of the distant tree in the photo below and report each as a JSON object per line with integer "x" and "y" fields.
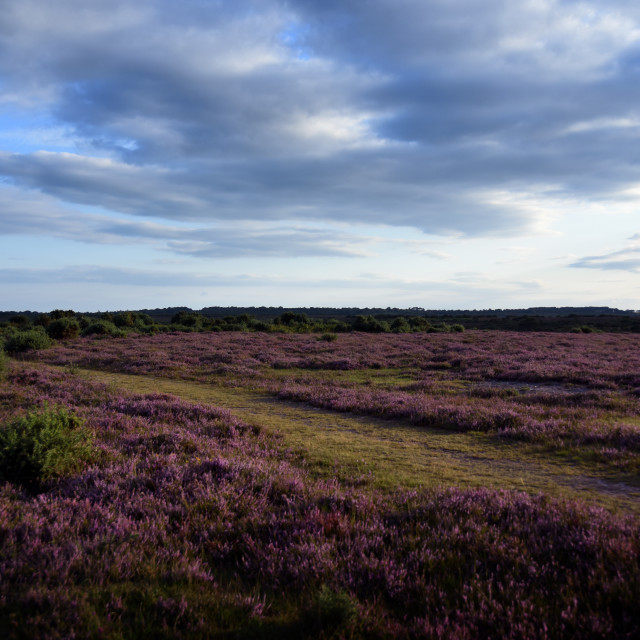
{"x": 400, "y": 325}
{"x": 43, "y": 320}
{"x": 187, "y": 319}
{"x": 59, "y": 313}
{"x": 63, "y": 328}
{"x": 370, "y": 324}
{"x": 290, "y": 318}
{"x": 102, "y": 328}
{"x": 20, "y": 321}
{"x": 124, "y": 319}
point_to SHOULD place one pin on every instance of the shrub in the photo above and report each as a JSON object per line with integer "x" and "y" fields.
{"x": 102, "y": 328}
{"x": 63, "y": 328}
{"x": 21, "y": 321}
{"x": 32, "y": 339}
{"x": 329, "y": 611}
{"x": 43, "y": 320}
{"x": 400, "y": 325}
{"x": 42, "y": 445}
{"x": 290, "y": 318}
{"x": 418, "y": 323}
{"x": 59, "y": 313}
{"x": 124, "y": 319}
{"x": 585, "y": 328}
{"x": 370, "y": 324}
{"x": 189, "y": 319}
{"x": 3, "y": 364}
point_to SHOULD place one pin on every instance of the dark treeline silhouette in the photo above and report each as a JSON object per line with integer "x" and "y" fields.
{"x": 61, "y": 324}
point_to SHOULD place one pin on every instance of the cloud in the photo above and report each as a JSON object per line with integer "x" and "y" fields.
{"x": 100, "y": 275}
{"x": 141, "y": 278}
{"x": 379, "y": 192}
{"x": 627, "y": 259}
{"x": 33, "y": 214}
{"x": 404, "y": 113}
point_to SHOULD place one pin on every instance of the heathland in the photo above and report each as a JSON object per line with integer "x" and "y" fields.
{"x": 331, "y": 484}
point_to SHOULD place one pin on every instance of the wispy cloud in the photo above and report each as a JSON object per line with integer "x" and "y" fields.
{"x": 279, "y": 129}
{"x": 624, "y": 260}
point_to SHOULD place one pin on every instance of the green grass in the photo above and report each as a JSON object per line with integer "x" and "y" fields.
{"x": 389, "y": 454}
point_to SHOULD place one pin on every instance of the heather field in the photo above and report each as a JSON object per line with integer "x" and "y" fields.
{"x": 231, "y": 485}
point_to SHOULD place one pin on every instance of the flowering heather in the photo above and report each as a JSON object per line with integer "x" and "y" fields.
{"x": 561, "y": 390}
{"x": 193, "y": 524}
{"x": 608, "y": 361}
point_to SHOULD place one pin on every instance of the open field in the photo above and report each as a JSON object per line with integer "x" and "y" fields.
{"x": 440, "y": 485}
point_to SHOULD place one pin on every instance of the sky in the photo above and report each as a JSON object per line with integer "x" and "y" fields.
{"x": 444, "y": 154}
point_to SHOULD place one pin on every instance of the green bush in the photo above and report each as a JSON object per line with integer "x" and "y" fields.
{"x": 102, "y": 328}
{"x": 400, "y": 325}
{"x": 189, "y": 319}
{"x": 31, "y": 339}
{"x": 3, "y": 364}
{"x": 329, "y": 611}
{"x": 585, "y": 328}
{"x": 21, "y": 321}
{"x": 418, "y": 323}
{"x": 370, "y": 324}
{"x": 41, "y": 446}
{"x": 63, "y": 328}
{"x": 290, "y": 319}
{"x": 124, "y": 319}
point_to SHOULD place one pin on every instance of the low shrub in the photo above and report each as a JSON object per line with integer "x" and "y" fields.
{"x": 400, "y": 325}
{"x": 585, "y": 328}
{"x": 103, "y": 328}
{"x": 369, "y": 324}
{"x": 329, "y": 611}
{"x": 42, "y": 445}
{"x": 31, "y": 339}
{"x": 63, "y": 328}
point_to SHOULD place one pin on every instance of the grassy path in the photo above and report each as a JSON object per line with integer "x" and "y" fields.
{"x": 390, "y": 453}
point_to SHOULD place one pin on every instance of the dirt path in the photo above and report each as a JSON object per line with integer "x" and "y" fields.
{"x": 392, "y": 453}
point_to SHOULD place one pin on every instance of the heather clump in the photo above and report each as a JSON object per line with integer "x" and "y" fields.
{"x": 570, "y": 392}
{"x": 194, "y": 524}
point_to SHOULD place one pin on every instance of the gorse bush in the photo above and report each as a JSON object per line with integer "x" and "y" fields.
{"x": 42, "y": 445}
{"x": 63, "y": 328}
{"x": 31, "y": 339}
{"x": 103, "y": 328}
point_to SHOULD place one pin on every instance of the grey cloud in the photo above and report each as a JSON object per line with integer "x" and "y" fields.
{"x": 624, "y": 260}
{"x": 35, "y": 214}
{"x": 92, "y": 274}
{"x": 402, "y": 113}
{"x": 313, "y": 190}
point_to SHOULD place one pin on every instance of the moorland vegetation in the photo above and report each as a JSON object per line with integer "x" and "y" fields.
{"x": 317, "y": 483}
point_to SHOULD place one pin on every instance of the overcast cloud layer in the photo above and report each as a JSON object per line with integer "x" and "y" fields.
{"x": 312, "y": 148}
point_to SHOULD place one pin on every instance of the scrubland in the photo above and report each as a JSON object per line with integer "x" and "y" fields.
{"x": 460, "y": 485}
